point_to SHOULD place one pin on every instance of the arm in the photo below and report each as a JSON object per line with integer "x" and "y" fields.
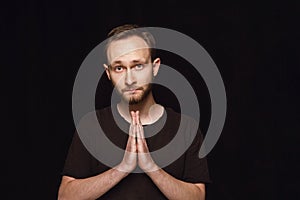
{"x": 89, "y": 188}
{"x": 171, "y": 187}
{"x": 96, "y": 186}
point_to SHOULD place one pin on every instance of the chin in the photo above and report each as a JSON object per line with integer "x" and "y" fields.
{"x": 134, "y": 101}
{"x": 138, "y": 98}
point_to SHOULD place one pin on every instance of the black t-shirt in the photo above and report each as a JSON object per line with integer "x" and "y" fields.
{"x": 80, "y": 163}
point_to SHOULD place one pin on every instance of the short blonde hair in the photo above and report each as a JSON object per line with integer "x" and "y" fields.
{"x": 128, "y": 30}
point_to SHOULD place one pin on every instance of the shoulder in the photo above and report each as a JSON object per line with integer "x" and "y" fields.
{"x": 104, "y": 111}
{"x": 181, "y": 117}
{"x": 91, "y": 120}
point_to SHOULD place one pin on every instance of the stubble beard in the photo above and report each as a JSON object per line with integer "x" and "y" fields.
{"x": 146, "y": 90}
{"x": 138, "y": 99}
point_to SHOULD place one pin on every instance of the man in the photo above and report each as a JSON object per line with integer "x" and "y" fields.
{"x": 131, "y": 68}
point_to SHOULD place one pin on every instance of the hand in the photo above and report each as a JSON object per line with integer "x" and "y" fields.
{"x": 129, "y": 161}
{"x": 145, "y": 160}
{"x": 136, "y": 149}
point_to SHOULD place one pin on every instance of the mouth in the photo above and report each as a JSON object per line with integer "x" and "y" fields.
{"x": 131, "y": 90}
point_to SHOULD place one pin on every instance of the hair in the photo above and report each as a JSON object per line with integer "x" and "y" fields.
{"x": 128, "y": 30}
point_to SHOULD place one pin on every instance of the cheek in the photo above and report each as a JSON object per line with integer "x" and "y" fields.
{"x": 117, "y": 79}
{"x": 145, "y": 78}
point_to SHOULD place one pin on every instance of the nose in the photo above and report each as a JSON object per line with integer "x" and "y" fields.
{"x": 129, "y": 78}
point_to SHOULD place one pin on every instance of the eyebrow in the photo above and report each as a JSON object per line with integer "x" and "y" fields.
{"x": 132, "y": 62}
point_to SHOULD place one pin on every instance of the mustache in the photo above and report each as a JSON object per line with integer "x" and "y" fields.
{"x": 131, "y": 88}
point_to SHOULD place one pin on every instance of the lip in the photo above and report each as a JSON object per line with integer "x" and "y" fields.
{"x": 131, "y": 90}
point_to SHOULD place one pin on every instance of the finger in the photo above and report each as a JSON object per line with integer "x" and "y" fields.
{"x": 141, "y": 142}
{"x": 134, "y": 117}
{"x": 131, "y": 143}
{"x": 137, "y": 114}
{"x": 132, "y": 130}
{"x": 141, "y": 130}
{"x": 133, "y": 121}
{"x": 138, "y": 134}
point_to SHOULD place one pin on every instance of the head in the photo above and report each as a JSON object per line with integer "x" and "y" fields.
{"x": 131, "y": 63}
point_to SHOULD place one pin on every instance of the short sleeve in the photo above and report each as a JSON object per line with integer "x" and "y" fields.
{"x": 79, "y": 161}
{"x": 196, "y": 169}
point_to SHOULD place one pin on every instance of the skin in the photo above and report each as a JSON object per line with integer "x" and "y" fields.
{"x": 131, "y": 71}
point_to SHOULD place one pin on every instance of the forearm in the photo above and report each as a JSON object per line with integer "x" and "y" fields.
{"x": 92, "y": 187}
{"x": 173, "y": 188}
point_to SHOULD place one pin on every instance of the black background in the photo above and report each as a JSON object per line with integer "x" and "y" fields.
{"x": 254, "y": 44}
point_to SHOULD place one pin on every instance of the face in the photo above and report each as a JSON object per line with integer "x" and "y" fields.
{"x": 131, "y": 69}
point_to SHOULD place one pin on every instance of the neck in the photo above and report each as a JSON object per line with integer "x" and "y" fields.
{"x": 148, "y": 109}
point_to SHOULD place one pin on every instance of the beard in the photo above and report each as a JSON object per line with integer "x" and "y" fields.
{"x": 133, "y": 100}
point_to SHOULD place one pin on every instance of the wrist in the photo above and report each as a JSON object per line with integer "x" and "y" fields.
{"x": 151, "y": 168}
{"x": 123, "y": 169}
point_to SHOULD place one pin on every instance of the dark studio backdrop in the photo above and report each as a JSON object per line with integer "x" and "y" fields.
{"x": 254, "y": 44}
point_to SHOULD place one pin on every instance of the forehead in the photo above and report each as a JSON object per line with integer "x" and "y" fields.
{"x": 127, "y": 47}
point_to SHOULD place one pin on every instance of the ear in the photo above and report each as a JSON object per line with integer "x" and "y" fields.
{"x": 107, "y": 71}
{"x": 156, "y": 65}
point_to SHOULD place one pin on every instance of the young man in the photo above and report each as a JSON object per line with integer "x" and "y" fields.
{"x": 131, "y": 68}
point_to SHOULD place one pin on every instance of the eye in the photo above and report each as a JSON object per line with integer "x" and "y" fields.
{"x": 118, "y": 68}
{"x": 139, "y": 66}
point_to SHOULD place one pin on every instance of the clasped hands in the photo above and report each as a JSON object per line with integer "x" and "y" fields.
{"x": 137, "y": 152}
